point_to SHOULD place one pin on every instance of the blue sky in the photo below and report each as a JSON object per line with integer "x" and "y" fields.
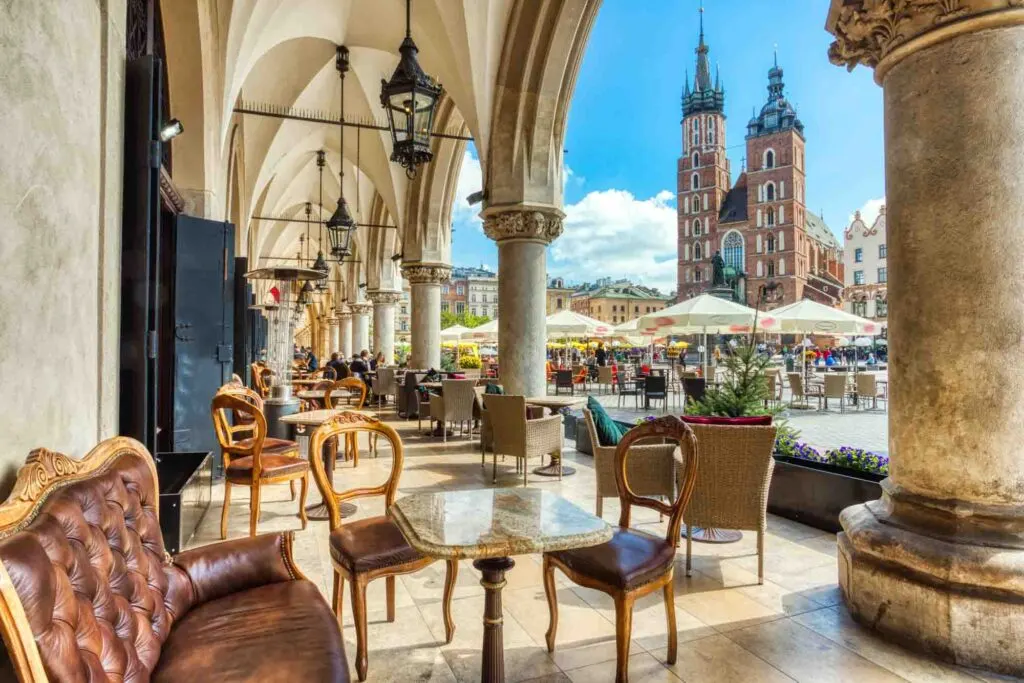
{"x": 624, "y": 137}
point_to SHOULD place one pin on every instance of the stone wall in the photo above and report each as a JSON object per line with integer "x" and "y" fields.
{"x": 61, "y": 82}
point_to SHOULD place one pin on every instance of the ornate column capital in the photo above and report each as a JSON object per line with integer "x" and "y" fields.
{"x": 879, "y": 33}
{"x": 523, "y": 223}
{"x": 427, "y": 273}
{"x": 384, "y": 296}
{"x": 342, "y": 312}
{"x": 360, "y": 308}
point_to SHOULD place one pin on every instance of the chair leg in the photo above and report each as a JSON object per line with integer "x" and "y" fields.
{"x": 670, "y": 614}
{"x": 291, "y": 486}
{"x": 359, "y": 617}
{"x": 689, "y": 548}
{"x": 760, "y": 557}
{"x": 450, "y": 576}
{"x": 623, "y": 635}
{"x": 224, "y": 511}
{"x": 338, "y": 596}
{"x": 559, "y": 465}
{"x": 599, "y": 511}
{"x": 525, "y": 475}
{"x": 302, "y": 499}
{"x": 494, "y": 467}
{"x": 254, "y": 507}
{"x": 389, "y": 590}
{"x": 552, "y": 596}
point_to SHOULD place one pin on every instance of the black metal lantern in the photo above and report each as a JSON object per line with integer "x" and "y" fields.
{"x": 410, "y": 100}
{"x": 320, "y": 264}
{"x": 306, "y": 293}
{"x": 341, "y": 225}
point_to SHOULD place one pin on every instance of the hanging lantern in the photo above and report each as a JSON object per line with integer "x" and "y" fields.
{"x": 410, "y": 100}
{"x": 321, "y": 263}
{"x": 341, "y": 225}
{"x": 305, "y": 294}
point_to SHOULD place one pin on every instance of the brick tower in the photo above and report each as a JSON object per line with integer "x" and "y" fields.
{"x": 777, "y": 244}
{"x": 702, "y": 174}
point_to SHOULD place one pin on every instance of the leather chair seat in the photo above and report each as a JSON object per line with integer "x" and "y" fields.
{"x": 240, "y": 469}
{"x": 281, "y": 631}
{"x": 271, "y": 446}
{"x": 630, "y": 559}
{"x": 369, "y": 544}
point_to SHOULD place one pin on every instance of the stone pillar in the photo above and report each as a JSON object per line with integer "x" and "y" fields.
{"x": 523, "y": 234}
{"x": 939, "y": 560}
{"x": 384, "y": 322}
{"x": 425, "y": 290}
{"x": 345, "y": 332}
{"x": 361, "y": 327}
{"x": 335, "y": 336}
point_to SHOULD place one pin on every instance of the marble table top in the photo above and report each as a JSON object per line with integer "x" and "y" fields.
{"x": 339, "y": 394}
{"x": 487, "y": 523}
{"x": 555, "y": 402}
{"x": 316, "y": 418}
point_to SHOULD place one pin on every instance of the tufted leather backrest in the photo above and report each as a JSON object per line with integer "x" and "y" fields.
{"x": 88, "y": 565}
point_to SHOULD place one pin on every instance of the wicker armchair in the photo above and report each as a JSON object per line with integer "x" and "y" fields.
{"x": 734, "y": 471}
{"x": 650, "y": 472}
{"x": 513, "y": 434}
{"x": 454, "y": 405}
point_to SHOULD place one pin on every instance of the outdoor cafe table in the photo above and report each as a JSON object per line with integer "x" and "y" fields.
{"x": 313, "y": 419}
{"x": 554, "y": 404}
{"x": 488, "y": 526}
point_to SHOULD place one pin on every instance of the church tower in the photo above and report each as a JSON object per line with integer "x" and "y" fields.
{"x": 702, "y": 174}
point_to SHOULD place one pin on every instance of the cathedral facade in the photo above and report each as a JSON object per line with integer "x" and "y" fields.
{"x": 760, "y": 226}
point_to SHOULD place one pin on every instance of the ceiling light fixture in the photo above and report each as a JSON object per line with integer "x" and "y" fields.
{"x": 340, "y": 225}
{"x": 171, "y": 130}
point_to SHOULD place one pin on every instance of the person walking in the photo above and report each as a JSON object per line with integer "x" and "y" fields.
{"x": 602, "y": 355}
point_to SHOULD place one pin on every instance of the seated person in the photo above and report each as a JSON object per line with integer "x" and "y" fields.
{"x": 360, "y": 364}
{"x": 311, "y": 362}
{"x": 341, "y": 370}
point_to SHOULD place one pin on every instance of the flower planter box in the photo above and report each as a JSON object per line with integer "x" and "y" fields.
{"x": 815, "y": 493}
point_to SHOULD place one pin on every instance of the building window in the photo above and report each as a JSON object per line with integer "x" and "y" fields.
{"x": 858, "y": 255}
{"x": 770, "y": 216}
{"x": 695, "y": 133}
{"x": 558, "y": 304}
{"x": 860, "y": 308}
{"x": 697, "y": 276}
{"x": 696, "y": 203}
{"x": 473, "y": 310}
{"x": 444, "y": 289}
{"x": 732, "y": 250}
{"x": 696, "y": 252}
{"x": 881, "y": 308}
{"x": 769, "y": 159}
{"x": 881, "y": 251}
{"x": 696, "y": 160}
{"x": 636, "y": 309}
{"x": 771, "y": 243}
{"x": 769, "y": 192}
{"x": 883, "y": 274}
{"x": 696, "y": 232}
{"x": 444, "y": 306}
{"x": 695, "y": 181}
{"x": 459, "y": 291}
{"x": 460, "y": 308}
{"x": 858, "y": 277}
{"x": 648, "y": 309}
{"x": 405, "y": 311}
{"x": 771, "y": 268}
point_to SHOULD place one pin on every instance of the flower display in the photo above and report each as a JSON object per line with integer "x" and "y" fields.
{"x": 858, "y": 459}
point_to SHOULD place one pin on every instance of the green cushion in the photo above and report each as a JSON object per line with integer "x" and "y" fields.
{"x": 494, "y": 390}
{"x": 608, "y": 432}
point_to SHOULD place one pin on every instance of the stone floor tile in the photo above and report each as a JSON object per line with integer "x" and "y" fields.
{"x": 643, "y": 668}
{"x": 716, "y": 659}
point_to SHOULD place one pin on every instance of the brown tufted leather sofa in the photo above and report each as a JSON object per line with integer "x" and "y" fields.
{"x": 88, "y": 593}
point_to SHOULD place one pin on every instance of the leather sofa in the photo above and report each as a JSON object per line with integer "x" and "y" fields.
{"x": 88, "y": 593}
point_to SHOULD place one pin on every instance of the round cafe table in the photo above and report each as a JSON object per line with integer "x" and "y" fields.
{"x": 488, "y": 526}
{"x": 314, "y": 418}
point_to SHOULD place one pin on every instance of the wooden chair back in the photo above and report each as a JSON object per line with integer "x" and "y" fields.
{"x": 668, "y": 428}
{"x": 329, "y": 373}
{"x": 242, "y": 422}
{"x": 237, "y": 403}
{"x": 260, "y": 377}
{"x": 351, "y": 386}
{"x": 340, "y": 426}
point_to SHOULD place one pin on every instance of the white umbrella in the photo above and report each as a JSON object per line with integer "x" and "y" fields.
{"x": 572, "y": 324}
{"x": 863, "y": 342}
{"x": 634, "y": 333}
{"x": 486, "y": 332}
{"x": 810, "y": 317}
{"x": 454, "y": 333}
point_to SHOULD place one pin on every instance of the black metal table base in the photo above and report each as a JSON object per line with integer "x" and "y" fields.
{"x": 712, "y": 535}
{"x": 318, "y": 512}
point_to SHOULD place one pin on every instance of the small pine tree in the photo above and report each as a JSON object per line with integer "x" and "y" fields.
{"x": 743, "y": 391}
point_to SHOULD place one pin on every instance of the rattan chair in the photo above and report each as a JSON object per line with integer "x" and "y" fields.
{"x": 651, "y": 473}
{"x": 605, "y": 377}
{"x": 734, "y": 466}
{"x": 454, "y": 405}
{"x": 837, "y": 387}
{"x": 514, "y": 435}
{"x": 797, "y": 391}
{"x": 868, "y": 388}
{"x": 563, "y": 380}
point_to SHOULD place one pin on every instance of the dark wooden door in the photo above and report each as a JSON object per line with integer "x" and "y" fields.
{"x": 204, "y": 320}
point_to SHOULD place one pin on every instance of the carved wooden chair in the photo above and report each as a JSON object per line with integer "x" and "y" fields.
{"x": 373, "y": 547}
{"x": 351, "y": 391}
{"x": 634, "y": 563}
{"x": 255, "y": 461}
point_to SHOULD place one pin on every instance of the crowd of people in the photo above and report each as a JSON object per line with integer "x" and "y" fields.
{"x": 356, "y": 366}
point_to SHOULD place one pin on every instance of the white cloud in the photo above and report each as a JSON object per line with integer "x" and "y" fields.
{"x": 611, "y": 233}
{"x": 869, "y": 212}
{"x": 471, "y": 179}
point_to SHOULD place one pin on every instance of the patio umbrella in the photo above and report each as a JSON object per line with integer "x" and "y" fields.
{"x": 485, "y": 332}
{"x": 566, "y": 324}
{"x": 810, "y": 317}
{"x": 634, "y": 333}
{"x": 701, "y": 314}
{"x": 863, "y": 342}
{"x": 454, "y": 333}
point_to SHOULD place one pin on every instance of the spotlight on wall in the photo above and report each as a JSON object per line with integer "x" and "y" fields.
{"x": 476, "y": 197}
{"x": 362, "y": 285}
{"x": 171, "y": 130}
{"x": 397, "y": 257}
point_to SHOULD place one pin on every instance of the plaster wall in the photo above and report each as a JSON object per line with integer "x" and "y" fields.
{"x": 61, "y": 82}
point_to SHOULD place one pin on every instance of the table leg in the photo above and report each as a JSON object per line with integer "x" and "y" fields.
{"x": 492, "y": 668}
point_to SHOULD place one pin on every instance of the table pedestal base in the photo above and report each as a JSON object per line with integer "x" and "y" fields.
{"x": 712, "y": 535}
{"x": 552, "y": 469}
{"x": 492, "y": 667}
{"x": 318, "y": 512}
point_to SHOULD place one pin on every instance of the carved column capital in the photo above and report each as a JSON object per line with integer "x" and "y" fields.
{"x": 427, "y": 273}
{"x": 343, "y": 312}
{"x": 384, "y": 296}
{"x": 524, "y": 223}
{"x": 360, "y": 308}
{"x": 879, "y": 33}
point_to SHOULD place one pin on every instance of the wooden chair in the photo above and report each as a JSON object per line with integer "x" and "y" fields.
{"x": 352, "y": 391}
{"x": 260, "y": 378}
{"x": 513, "y": 434}
{"x": 650, "y": 472}
{"x": 373, "y": 547}
{"x": 736, "y": 467}
{"x": 255, "y": 461}
{"x": 634, "y": 563}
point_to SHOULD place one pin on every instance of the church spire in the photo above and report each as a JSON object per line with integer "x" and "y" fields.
{"x": 705, "y": 95}
{"x": 703, "y": 80}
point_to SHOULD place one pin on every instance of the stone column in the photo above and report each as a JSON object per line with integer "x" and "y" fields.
{"x": 523, "y": 234}
{"x": 345, "y": 332}
{"x": 939, "y": 560}
{"x": 335, "y": 336}
{"x": 361, "y": 327}
{"x": 425, "y": 291}
{"x": 384, "y": 302}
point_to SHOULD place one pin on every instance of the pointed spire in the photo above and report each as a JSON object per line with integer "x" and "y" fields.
{"x": 718, "y": 78}
{"x": 703, "y": 95}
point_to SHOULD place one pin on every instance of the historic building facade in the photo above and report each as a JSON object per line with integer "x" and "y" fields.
{"x": 760, "y": 225}
{"x": 865, "y": 261}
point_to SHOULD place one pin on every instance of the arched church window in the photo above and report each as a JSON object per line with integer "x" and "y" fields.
{"x": 696, "y": 251}
{"x": 770, "y": 214}
{"x": 771, "y": 243}
{"x": 695, "y": 133}
{"x": 711, "y": 130}
{"x": 769, "y": 192}
{"x": 696, "y": 160}
{"x": 696, "y": 229}
{"x": 732, "y": 251}
{"x": 769, "y": 158}
{"x": 695, "y": 181}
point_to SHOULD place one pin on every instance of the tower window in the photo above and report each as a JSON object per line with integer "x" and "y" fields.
{"x": 696, "y": 203}
{"x": 696, "y": 160}
{"x": 769, "y": 159}
{"x": 769, "y": 192}
{"x": 696, "y": 230}
{"x": 711, "y": 130}
{"x": 695, "y": 181}
{"x": 696, "y": 251}
{"x": 771, "y": 243}
{"x": 770, "y": 214}
{"x": 771, "y": 268}
{"x": 695, "y": 133}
